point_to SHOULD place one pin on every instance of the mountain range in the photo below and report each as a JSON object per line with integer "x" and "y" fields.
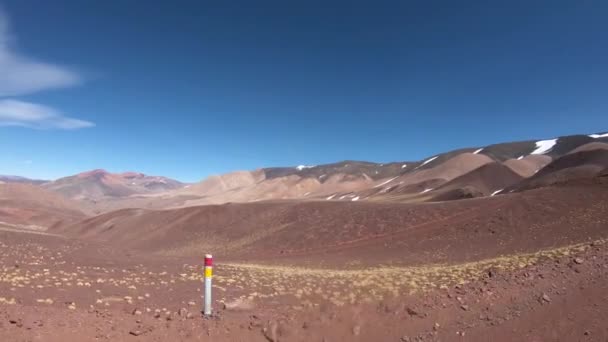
{"x": 464, "y": 173}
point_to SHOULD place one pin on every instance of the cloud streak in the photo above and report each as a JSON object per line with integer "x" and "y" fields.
{"x": 20, "y": 75}
{"x": 31, "y": 115}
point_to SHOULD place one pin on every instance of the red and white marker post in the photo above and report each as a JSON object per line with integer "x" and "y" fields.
{"x": 208, "y": 276}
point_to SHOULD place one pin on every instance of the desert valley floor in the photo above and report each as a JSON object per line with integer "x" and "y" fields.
{"x": 527, "y": 266}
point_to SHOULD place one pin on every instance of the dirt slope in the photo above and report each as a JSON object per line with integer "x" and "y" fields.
{"x": 27, "y": 204}
{"x": 528, "y": 166}
{"x": 527, "y": 266}
{"x": 590, "y": 146}
{"x": 585, "y": 164}
{"x": 361, "y": 232}
{"x": 486, "y": 179}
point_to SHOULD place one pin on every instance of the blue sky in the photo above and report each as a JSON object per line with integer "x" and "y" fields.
{"x": 191, "y": 88}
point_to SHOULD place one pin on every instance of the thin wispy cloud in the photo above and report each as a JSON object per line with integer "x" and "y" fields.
{"x": 21, "y": 75}
{"x": 31, "y": 115}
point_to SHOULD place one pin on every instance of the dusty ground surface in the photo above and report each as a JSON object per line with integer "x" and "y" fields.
{"x": 529, "y": 267}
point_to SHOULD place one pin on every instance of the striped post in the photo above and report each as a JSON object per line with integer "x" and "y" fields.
{"x": 208, "y": 276}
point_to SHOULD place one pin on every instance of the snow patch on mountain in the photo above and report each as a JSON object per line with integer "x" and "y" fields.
{"x": 543, "y": 146}
{"x": 428, "y": 161}
{"x": 386, "y": 182}
{"x": 496, "y": 192}
{"x": 596, "y": 136}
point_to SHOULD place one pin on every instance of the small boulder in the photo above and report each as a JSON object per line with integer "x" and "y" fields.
{"x": 239, "y": 305}
{"x": 271, "y": 332}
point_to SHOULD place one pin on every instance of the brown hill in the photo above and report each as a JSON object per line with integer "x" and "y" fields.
{"x": 218, "y": 184}
{"x": 31, "y": 205}
{"x": 529, "y": 165}
{"x": 414, "y": 185}
{"x": 585, "y": 164}
{"x": 484, "y": 180}
{"x": 590, "y": 146}
{"x": 98, "y": 184}
{"x": 18, "y": 179}
{"x": 362, "y": 232}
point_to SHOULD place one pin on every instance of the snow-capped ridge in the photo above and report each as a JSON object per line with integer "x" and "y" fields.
{"x": 544, "y": 146}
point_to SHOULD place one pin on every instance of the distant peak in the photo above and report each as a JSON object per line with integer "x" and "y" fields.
{"x": 96, "y": 172}
{"x": 131, "y": 174}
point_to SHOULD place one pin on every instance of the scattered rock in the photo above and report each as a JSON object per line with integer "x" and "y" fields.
{"x": 405, "y": 339}
{"x": 271, "y": 332}
{"x": 239, "y": 305}
{"x": 192, "y": 303}
{"x": 136, "y": 312}
{"x": 579, "y": 260}
{"x": 545, "y": 297}
{"x": 464, "y": 307}
{"x": 136, "y": 332}
{"x": 182, "y": 312}
{"x": 413, "y": 312}
{"x": 356, "y": 330}
{"x": 189, "y": 315}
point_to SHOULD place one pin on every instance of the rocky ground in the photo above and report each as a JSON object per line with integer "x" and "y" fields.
{"x": 58, "y": 289}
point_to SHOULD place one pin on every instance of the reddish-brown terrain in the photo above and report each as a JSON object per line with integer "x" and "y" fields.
{"x": 351, "y": 256}
{"x": 26, "y": 204}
